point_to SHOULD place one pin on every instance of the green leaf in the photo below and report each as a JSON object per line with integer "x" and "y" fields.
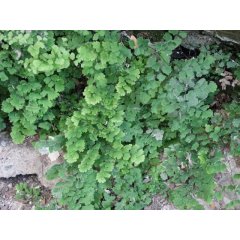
{"x": 54, "y": 143}
{"x": 52, "y": 173}
{"x": 236, "y": 176}
{"x": 101, "y": 80}
{"x": 7, "y": 106}
{"x": 167, "y": 36}
{"x": 72, "y": 157}
{"x": 165, "y": 56}
{"x": 161, "y": 77}
{"x": 166, "y": 69}
{"x": 17, "y": 136}
{"x": 153, "y": 63}
{"x": 212, "y": 86}
{"x": 89, "y": 159}
{"x": 3, "y": 77}
{"x": 207, "y": 114}
{"x": 102, "y": 176}
{"x": 88, "y": 207}
{"x": 45, "y": 125}
{"x": 182, "y": 34}
{"x": 59, "y": 86}
{"x": 137, "y": 155}
{"x": 144, "y": 98}
{"x": 236, "y": 122}
{"x": 17, "y": 102}
{"x": 192, "y": 99}
{"x": 208, "y": 128}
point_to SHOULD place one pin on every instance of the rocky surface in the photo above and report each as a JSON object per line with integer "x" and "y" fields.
{"x": 227, "y": 35}
{"x": 18, "y": 159}
{"x": 160, "y": 203}
{"x": 197, "y": 39}
{"x": 226, "y": 179}
{"x": 222, "y": 181}
{"x": 19, "y": 162}
{"x": 23, "y": 159}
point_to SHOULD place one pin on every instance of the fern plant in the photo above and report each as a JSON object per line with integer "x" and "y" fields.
{"x": 133, "y": 122}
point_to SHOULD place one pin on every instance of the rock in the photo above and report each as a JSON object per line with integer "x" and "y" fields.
{"x": 3, "y": 143}
{"x": 226, "y": 200}
{"x": 44, "y": 150}
{"x": 203, "y": 203}
{"x": 54, "y": 156}
{"x": 160, "y": 203}
{"x": 228, "y": 36}
{"x": 16, "y": 205}
{"x": 23, "y": 159}
{"x": 195, "y": 39}
{"x": 18, "y": 159}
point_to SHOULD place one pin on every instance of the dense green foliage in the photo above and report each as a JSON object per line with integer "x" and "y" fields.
{"x": 132, "y": 121}
{"x": 26, "y": 193}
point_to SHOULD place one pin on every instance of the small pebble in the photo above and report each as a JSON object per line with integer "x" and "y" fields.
{"x": 3, "y": 144}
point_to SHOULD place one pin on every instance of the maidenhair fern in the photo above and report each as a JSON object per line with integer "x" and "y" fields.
{"x": 132, "y": 121}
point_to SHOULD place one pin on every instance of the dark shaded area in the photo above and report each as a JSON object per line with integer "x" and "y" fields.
{"x": 184, "y": 53}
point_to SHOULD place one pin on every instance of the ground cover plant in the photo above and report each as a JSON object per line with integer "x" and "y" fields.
{"x": 132, "y": 120}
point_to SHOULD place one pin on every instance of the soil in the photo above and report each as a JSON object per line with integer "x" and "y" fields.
{"x": 8, "y": 199}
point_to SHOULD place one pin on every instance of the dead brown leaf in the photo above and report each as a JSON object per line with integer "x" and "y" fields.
{"x": 228, "y": 80}
{"x": 134, "y": 39}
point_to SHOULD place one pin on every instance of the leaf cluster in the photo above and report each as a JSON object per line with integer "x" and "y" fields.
{"x": 132, "y": 121}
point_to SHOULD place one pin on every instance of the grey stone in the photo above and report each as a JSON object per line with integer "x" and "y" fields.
{"x": 3, "y": 143}
{"x": 228, "y": 36}
{"x": 44, "y": 150}
{"x": 53, "y": 156}
{"x": 16, "y": 205}
{"x": 195, "y": 39}
{"x": 23, "y": 159}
